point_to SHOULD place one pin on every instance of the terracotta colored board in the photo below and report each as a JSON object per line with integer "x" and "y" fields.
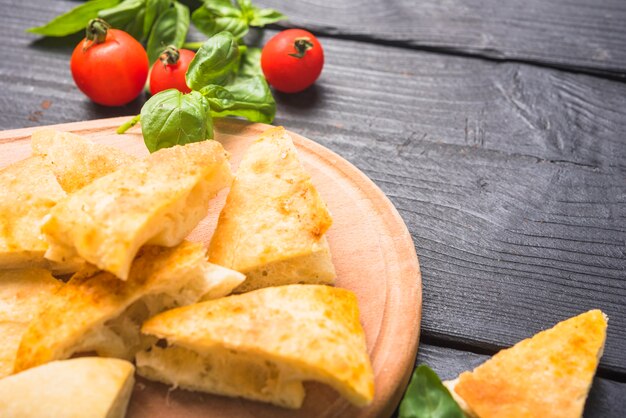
{"x": 372, "y": 252}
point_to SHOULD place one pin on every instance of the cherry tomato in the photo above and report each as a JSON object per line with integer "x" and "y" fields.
{"x": 169, "y": 71}
{"x": 292, "y": 60}
{"x": 109, "y": 65}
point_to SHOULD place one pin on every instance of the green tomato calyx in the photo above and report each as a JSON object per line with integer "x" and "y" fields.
{"x": 169, "y": 56}
{"x": 301, "y": 45}
{"x": 96, "y": 32}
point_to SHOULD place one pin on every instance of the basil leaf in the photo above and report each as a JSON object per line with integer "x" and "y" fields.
{"x": 262, "y": 17}
{"x": 127, "y": 16}
{"x": 210, "y": 23}
{"x": 74, "y": 20}
{"x": 170, "y": 29}
{"x": 154, "y": 9}
{"x": 248, "y": 97}
{"x": 250, "y": 63}
{"x": 214, "y": 62}
{"x": 427, "y": 397}
{"x": 222, "y": 8}
{"x": 172, "y": 118}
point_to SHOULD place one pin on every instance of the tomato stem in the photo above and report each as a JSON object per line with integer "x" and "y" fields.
{"x": 96, "y": 32}
{"x": 169, "y": 56}
{"x": 128, "y": 124}
{"x": 301, "y": 45}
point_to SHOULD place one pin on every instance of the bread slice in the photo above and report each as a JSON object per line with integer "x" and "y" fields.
{"x": 77, "y": 161}
{"x": 97, "y": 312}
{"x": 87, "y": 387}
{"x": 22, "y": 292}
{"x": 261, "y": 345}
{"x": 29, "y": 190}
{"x": 548, "y": 375}
{"x": 156, "y": 201}
{"x": 273, "y": 224}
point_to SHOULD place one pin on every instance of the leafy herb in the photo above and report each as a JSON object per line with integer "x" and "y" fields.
{"x": 75, "y": 20}
{"x": 222, "y": 15}
{"x": 250, "y": 62}
{"x": 154, "y": 9}
{"x": 214, "y": 62}
{"x": 171, "y": 118}
{"x": 170, "y": 29}
{"x": 127, "y": 16}
{"x": 248, "y": 97}
{"x": 427, "y": 397}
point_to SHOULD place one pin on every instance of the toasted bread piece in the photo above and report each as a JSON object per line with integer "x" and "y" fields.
{"x": 156, "y": 201}
{"x": 261, "y": 345}
{"x": 22, "y": 292}
{"x": 97, "y": 312}
{"x": 548, "y": 375}
{"x": 29, "y": 190}
{"x": 77, "y": 161}
{"x": 273, "y": 224}
{"x": 86, "y": 387}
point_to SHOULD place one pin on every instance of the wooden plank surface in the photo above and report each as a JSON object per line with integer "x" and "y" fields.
{"x": 577, "y": 34}
{"x": 372, "y": 253}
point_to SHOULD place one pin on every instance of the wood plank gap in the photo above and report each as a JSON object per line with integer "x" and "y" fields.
{"x": 457, "y": 52}
{"x": 483, "y": 348}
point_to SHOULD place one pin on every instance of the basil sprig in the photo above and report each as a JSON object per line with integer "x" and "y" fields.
{"x": 219, "y": 89}
{"x": 222, "y": 15}
{"x": 427, "y": 397}
{"x": 75, "y": 20}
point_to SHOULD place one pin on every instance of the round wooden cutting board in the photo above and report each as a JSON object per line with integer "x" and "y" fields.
{"x": 372, "y": 251}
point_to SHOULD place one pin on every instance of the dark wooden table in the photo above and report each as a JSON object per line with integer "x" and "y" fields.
{"x": 498, "y": 129}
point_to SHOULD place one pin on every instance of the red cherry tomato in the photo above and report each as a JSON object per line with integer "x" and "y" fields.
{"x": 111, "y": 68}
{"x": 292, "y": 60}
{"x": 169, "y": 71}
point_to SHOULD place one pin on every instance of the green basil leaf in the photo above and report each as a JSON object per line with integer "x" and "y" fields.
{"x": 170, "y": 29}
{"x": 172, "y": 118}
{"x": 73, "y": 21}
{"x": 127, "y": 16}
{"x": 214, "y": 62}
{"x": 251, "y": 99}
{"x": 250, "y": 63}
{"x": 219, "y": 98}
{"x": 211, "y": 23}
{"x": 427, "y": 397}
{"x": 224, "y": 8}
{"x": 262, "y": 17}
{"x": 154, "y": 9}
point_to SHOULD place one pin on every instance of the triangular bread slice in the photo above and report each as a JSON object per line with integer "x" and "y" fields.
{"x": 86, "y": 387}
{"x": 97, "y": 312}
{"x": 22, "y": 292}
{"x": 261, "y": 345}
{"x": 29, "y": 190}
{"x": 548, "y": 375}
{"x": 77, "y": 161}
{"x": 273, "y": 224}
{"x": 155, "y": 201}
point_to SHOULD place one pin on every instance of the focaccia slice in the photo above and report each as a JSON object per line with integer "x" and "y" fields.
{"x": 548, "y": 375}
{"x": 22, "y": 292}
{"x": 155, "y": 201}
{"x": 29, "y": 190}
{"x": 263, "y": 344}
{"x": 273, "y": 224}
{"x": 97, "y": 312}
{"x": 87, "y": 387}
{"x": 77, "y": 161}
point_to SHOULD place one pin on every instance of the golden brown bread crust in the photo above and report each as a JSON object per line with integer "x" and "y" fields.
{"x": 77, "y": 161}
{"x": 22, "y": 292}
{"x": 273, "y": 213}
{"x": 548, "y": 375}
{"x": 90, "y": 299}
{"x": 155, "y": 201}
{"x": 29, "y": 190}
{"x": 311, "y": 332}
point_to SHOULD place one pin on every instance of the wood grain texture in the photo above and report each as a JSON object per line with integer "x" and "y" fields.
{"x": 576, "y": 34}
{"x": 606, "y": 398}
{"x": 372, "y": 252}
{"x": 511, "y": 178}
